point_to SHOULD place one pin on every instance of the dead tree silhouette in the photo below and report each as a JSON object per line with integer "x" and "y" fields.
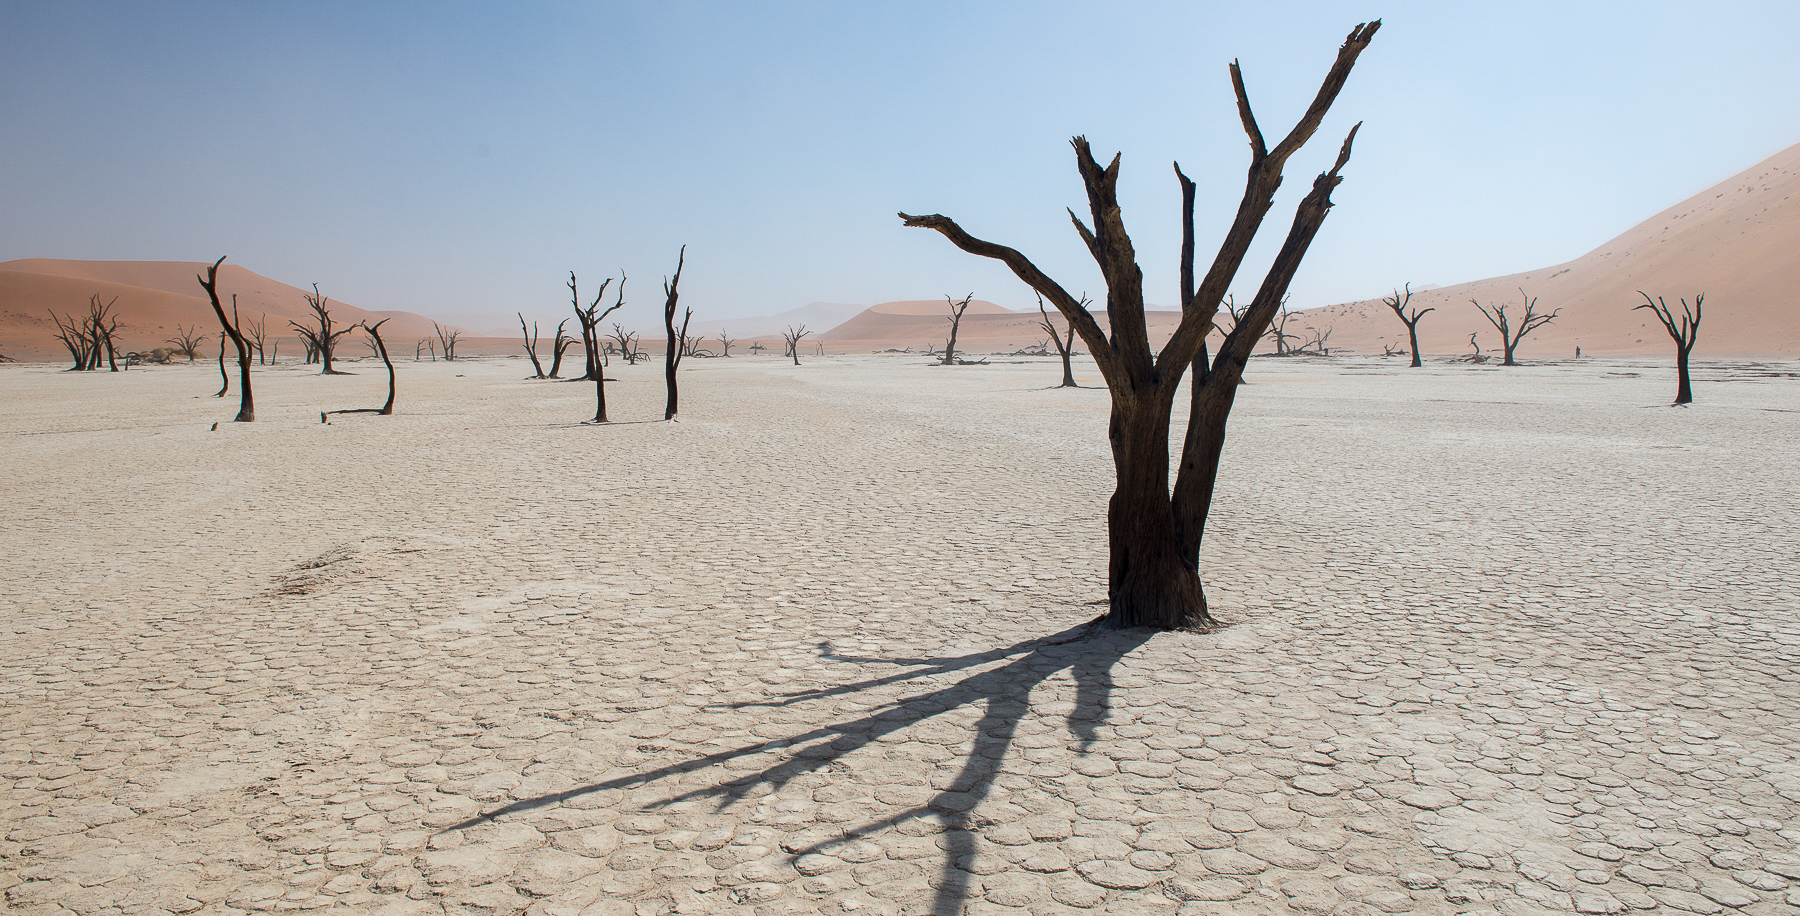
{"x": 590, "y": 329}
{"x": 725, "y": 343}
{"x": 676, "y": 338}
{"x": 1065, "y": 347}
{"x": 73, "y": 334}
{"x": 187, "y": 341}
{"x": 531, "y": 345}
{"x": 956, "y": 312}
{"x": 563, "y": 342}
{"x": 1685, "y": 334}
{"x": 1154, "y": 535}
{"x": 792, "y": 335}
{"x": 322, "y": 338}
{"x": 210, "y": 282}
{"x": 254, "y": 332}
{"x": 1005, "y": 692}
{"x": 375, "y": 341}
{"x": 447, "y": 337}
{"x": 1531, "y": 321}
{"x": 1399, "y": 305}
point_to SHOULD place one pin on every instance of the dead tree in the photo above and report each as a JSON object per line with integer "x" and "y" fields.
{"x": 563, "y": 342}
{"x": 322, "y": 339}
{"x": 1530, "y": 322}
{"x": 447, "y": 337}
{"x": 103, "y": 325}
{"x": 246, "y": 407}
{"x": 628, "y": 344}
{"x": 225, "y": 377}
{"x": 1399, "y": 303}
{"x": 531, "y": 342}
{"x": 1278, "y": 330}
{"x": 187, "y": 341}
{"x": 1684, "y": 333}
{"x": 674, "y": 350}
{"x": 380, "y": 348}
{"x": 725, "y": 342}
{"x": 1064, "y": 346}
{"x": 792, "y": 336}
{"x": 1477, "y": 357}
{"x": 1317, "y": 346}
{"x": 955, "y": 319}
{"x": 253, "y": 330}
{"x": 590, "y": 318}
{"x": 1154, "y": 535}
{"x": 73, "y": 334}
{"x": 419, "y": 348}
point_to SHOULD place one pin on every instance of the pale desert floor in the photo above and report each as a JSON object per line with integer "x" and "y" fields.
{"x": 1516, "y": 640}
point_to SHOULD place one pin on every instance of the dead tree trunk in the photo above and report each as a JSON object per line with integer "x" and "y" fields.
{"x": 246, "y": 406}
{"x": 1685, "y": 334}
{"x": 447, "y": 337}
{"x": 628, "y": 343}
{"x": 105, "y": 325}
{"x": 676, "y": 338}
{"x": 224, "y": 377}
{"x": 563, "y": 342}
{"x": 792, "y": 336}
{"x": 531, "y": 342}
{"x": 725, "y": 344}
{"x": 1278, "y": 330}
{"x": 1064, "y": 347}
{"x": 380, "y": 348}
{"x": 956, "y": 313}
{"x": 1399, "y": 305}
{"x": 590, "y": 318}
{"x": 1530, "y": 322}
{"x": 1154, "y": 536}
{"x": 253, "y": 331}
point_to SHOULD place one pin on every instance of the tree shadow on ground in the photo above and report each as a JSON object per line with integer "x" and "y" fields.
{"x": 1085, "y": 651}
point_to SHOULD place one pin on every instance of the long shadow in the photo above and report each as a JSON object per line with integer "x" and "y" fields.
{"x": 1087, "y": 652}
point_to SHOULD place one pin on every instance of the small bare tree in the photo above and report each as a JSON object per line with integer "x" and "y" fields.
{"x": 380, "y": 348}
{"x": 73, "y": 334}
{"x": 1314, "y": 346}
{"x": 676, "y": 338}
{"x": 563, "y": 342}
{"x": 322, "y": 339}
{"x": 628, "y": 344}
{"x": 792, "y": 335}
{"x": 102, "y": 325}
{"x": 210, "y": 282}
{"x": 1064, "y": 347}
{"x": 1529, "y": 322}
{"x": 590, "y": 318}
{"x": 955, "y": 319}
{"x": 447, "y": 337}
{"x": 531, "y": 342}
{"x": 1399, "y": 304}
{"x": 725, "y": 343}
{"x": 1685, "y": 333}
{"x": 253, "y": 331}
{"x": 187, "y": 341}
{"x": 225, "y": 377}
{"x": 1278, "y": 330}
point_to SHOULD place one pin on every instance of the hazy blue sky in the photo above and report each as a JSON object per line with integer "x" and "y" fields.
{"x": 455, "y": 159}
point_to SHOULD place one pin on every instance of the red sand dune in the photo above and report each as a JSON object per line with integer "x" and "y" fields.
{"x": 1738, "y": 242}
{"x": 155, "y": 296}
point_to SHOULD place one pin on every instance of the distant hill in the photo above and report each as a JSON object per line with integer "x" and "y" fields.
{"x": 818, "y": 317}
{"x": 1738, "y": 242}
{"x": 155, "y": 296}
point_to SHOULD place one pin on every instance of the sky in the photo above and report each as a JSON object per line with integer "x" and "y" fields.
{"x": 459, "y": 160}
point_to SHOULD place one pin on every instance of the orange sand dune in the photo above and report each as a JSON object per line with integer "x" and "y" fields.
{"x": 985, "y": 328}
{"x": 155, "y": 296}
{"x": 1738, "y": 242}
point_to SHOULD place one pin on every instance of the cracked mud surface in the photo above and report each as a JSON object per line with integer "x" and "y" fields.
{"x": 1517, "y": 641}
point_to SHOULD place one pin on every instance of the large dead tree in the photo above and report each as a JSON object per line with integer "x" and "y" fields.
{"x": 447, "y": 337}
{"x": 677, "y": 339}
{"x": 1685, "y": 333}
{"x": 792, "y": 335}
{"x": 380, "y": 348}
{"x": 1399, "y": 304}
{"x": 531, "y": 344}
{"x": 1530, "y": 321}
{"x": 590, "y": 328}
{"x": 322, "y": 339}
{"x": 187, "y": 340}
{"x": 956, "y": 312}
{"x": 103, "y": 325}
{"x": 210, "y": 282}
{"x": 1065, "y": 346}
{"x": 1154, "y": 535}
{"x": 563, "y": 342}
